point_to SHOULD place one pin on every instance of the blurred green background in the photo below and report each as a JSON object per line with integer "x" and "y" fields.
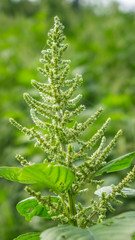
{"x": 102, "y": 49}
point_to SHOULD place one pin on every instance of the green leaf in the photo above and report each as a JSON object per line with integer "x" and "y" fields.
{"x": 121, "y": 227}
{"x": 117, "y": 164}
{"x": 30, "y": 207}
{"x": 10, "y": 173}
{"x": 58, "y": 178}
{"x": 108, "y": 190}
{"x": 28, "y": 236}
{"x": 67, "y": 233}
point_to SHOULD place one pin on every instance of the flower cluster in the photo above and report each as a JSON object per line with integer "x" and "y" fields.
{"x": 54, "y": 114}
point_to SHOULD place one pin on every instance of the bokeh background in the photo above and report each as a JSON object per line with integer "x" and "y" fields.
{"x": 102, "y": 48}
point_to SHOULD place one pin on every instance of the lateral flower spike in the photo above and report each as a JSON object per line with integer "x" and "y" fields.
{"x": 22, "y": 160}
{"x": 90, "y": 120}
{"x": 99, "y": 150}
{"x": 109, "y": 148}
{"x": 96, "y": 136}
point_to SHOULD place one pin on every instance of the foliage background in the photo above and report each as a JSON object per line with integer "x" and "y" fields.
{"x": 102, "y": 49}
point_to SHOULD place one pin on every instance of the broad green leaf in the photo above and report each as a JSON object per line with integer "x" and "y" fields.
{"x": 67, "y": 233}
{"x": 117, "y": 164}
{"x": 28, "y": 236}
{"x": 58, "y": 178}
{"x": 121, "y": 227}
{"x": 30, "y": 207}
{"x": 108, "y": 190}
{"x": 10, "y": 173}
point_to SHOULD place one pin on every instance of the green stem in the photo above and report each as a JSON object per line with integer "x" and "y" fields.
{"x": 72, "y": 209}
{"x": 65, "y": 207}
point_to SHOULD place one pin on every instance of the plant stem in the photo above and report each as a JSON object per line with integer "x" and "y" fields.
{"x": 71, "y": 199}
{"x": 72, "y": 209}
{"x": 65, "y": 207}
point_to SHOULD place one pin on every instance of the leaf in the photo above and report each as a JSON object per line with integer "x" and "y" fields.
{"x": 58, "y": 178}
{"x": 10, "y": 173}
{"x": 30, "y": 207}
{"x": 66, "y": 233}
{"x": 108, "y": 190}
{"x": 28, "y": 236}
{"x": 121, "y": 227}
{"x": 117, "y": 164}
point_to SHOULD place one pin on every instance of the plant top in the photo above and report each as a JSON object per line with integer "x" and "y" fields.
{"x": 68, "y": 165}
